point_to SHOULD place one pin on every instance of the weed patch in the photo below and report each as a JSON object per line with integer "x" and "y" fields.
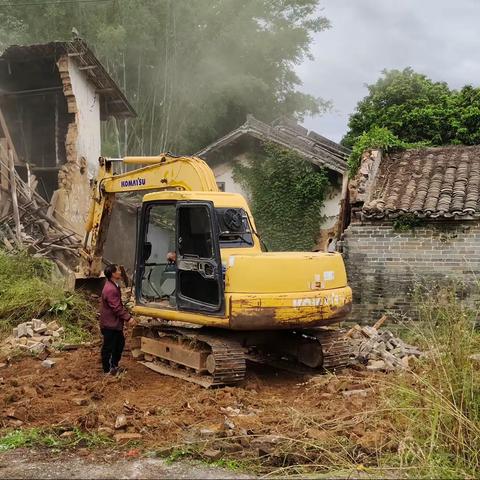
{"x": 36, "y": 437}
{"x": 436, "y": 410}
{"x": 29, "y": 289}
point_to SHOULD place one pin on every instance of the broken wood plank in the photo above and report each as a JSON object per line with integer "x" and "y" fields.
{"x": 13, "y": 192}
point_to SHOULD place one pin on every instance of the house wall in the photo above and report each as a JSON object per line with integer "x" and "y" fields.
{"x": 88, "y": 118}
{"x": 224, "y": 173}
{"x": 83, "y": 146}
{"x": 385, "y": 266}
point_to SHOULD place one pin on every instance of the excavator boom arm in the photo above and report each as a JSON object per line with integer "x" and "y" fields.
{"x": 165, "y": 172}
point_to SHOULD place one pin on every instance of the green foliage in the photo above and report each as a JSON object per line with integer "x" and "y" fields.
{"x": 288, "y": 211}
{"x": 417, "y": 109}
{"x": 436, "y": 412}
{"x": 37, "y": 437}
{"x": 28, "y": 289}
{"x": 407, "y": 222}
{"x": 192, "y": 70}
{"x": 377, "y": 137}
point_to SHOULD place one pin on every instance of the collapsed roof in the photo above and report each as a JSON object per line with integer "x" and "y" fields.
{"x": 314, "y": 147}
{"x": 114, "y": 103}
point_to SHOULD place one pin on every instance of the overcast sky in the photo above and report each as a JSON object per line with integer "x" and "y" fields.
{"x": 437, "y": 37}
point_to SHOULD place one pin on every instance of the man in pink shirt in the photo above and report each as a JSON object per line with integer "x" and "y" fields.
{"x": 113, "y": 316}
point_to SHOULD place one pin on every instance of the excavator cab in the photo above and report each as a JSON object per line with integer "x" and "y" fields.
{"x": 195, "y": 281}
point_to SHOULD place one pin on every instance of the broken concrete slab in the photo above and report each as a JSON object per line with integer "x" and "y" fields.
{"x": 53, "y": 325}
{"x": 38, "y": 326}
{"x": 48, "y": 363}
{"x": 37, "y": 348}
{"x": 120, "y": 422}
{"x": 21, "y": 330}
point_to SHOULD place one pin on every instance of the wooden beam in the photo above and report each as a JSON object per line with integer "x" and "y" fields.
{"x": 6, "y": 134}
{"x": 13, "y": 192}
{"x": 88, "y": 67}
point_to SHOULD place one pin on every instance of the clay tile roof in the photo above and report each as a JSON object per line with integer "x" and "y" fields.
{"x": 442, "y": 182}
{"x": 114, "y": 101}
{"x": 314, "y": 147}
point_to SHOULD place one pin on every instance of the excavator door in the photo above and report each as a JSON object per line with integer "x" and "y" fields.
{"x": 199, "y": 277}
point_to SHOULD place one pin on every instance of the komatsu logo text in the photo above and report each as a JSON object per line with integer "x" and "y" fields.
{"x": 136, "y": 182}
{"x": 330, "y": 300}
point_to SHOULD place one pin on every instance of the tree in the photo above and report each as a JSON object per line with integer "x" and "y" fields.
{"x": 416, "y": 109}
{"x": 192, "y": 70}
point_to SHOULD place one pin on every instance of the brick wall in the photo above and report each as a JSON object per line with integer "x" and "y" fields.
{"x": 384, "y": 266}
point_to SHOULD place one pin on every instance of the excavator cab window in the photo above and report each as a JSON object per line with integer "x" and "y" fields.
{"x": 156, "y": 274}
{"x": 199, "y": 267}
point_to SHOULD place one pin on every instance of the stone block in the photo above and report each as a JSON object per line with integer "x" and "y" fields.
{"x": 22, "y": 330}
{"x": 48, "y": 363}
{"x": 53, "y": 326}
{"x": 38, "y": 326}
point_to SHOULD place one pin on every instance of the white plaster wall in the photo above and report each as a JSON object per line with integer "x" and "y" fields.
{"x": 331, "y": 207}
{"x": 88, "y": 118}
{"x": 224, "y": 173}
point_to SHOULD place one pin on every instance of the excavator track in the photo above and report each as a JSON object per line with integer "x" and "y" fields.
{"x": 224, "y": 365}
{"x": 224, "y": 353}
{"x": 337, "y": 352}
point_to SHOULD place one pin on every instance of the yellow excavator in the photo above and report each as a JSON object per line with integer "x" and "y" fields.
{"x": 209, "y": 296}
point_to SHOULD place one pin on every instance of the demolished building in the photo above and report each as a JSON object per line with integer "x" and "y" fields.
{"x": 53, "y": 98}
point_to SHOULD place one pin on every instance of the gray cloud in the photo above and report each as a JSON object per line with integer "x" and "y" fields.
{"x": 437, "y": 37}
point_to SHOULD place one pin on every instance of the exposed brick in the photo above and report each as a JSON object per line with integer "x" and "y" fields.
{"x": 385, "y": 266}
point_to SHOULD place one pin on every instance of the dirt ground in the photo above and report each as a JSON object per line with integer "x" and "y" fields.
{"x": 273, "y": 418}
{"x": 32, "y": 464}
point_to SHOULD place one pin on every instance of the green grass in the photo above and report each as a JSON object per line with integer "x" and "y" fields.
{"x": 30, "y": 289}
{"x": 36, "y": 437}
{"x": 435, "y": 411}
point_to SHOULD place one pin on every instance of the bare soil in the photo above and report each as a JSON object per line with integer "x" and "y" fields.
{"x": 273, "y": 418}
{"x": 34, "y": 464}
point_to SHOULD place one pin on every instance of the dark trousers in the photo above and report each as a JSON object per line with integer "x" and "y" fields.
{"x": 112, "y": 348}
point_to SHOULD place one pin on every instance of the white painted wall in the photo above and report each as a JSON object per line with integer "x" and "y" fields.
{"x": 331, "y": 207}
{"x": 224, "y": 173}
{"x": 88, "y": 118}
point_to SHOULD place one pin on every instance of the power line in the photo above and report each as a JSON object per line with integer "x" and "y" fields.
{"x": 51, "y": 2}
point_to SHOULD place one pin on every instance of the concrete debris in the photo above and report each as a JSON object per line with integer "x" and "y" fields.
{"x": 48, "y": 363}
{"x": 355, "y": 393}
{"x": 381, "y": 351}
{"x": 35, "y": 337}
{"x": 120, "y": 422}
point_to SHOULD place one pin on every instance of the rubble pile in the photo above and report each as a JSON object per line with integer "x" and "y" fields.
{"x": 27, "y": 219}
{"x": 381, "y": 351}
{"x": 35, "y": 337}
